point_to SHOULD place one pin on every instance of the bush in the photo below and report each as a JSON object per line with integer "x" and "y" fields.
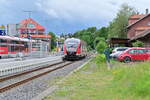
{"x": 101, "y": 46}
{"x": 100, "y": 58}
{"x": 138, "y": 44}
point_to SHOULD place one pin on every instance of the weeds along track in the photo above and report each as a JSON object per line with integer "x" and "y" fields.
{"x": 9, "y": 82}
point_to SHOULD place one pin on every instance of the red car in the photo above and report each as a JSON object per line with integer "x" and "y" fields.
{"x": 148, "y": 53}
{"x": 135, "y": 54}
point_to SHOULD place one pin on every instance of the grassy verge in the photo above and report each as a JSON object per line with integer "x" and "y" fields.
{"x": 95, "y": 82}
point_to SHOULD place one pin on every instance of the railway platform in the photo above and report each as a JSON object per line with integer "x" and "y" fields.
{"x": 11, "y": 66}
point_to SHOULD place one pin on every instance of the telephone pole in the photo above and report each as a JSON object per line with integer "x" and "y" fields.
{"x": 29, "y": 34}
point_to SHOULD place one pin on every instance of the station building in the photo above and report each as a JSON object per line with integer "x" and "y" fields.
{"x": 29, "y": 27}
{"x": 139, "y": 28}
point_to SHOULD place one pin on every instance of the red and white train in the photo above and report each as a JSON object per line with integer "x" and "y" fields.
{"x": 14, "y": 46}
{"x": 74, "y": 49}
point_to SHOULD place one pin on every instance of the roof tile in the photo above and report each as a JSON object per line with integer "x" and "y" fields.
{"x": 137, "y": 16}
{"x": 25, "y": 22}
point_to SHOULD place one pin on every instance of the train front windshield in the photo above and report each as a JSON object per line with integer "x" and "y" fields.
{"x": 73, "y": 45}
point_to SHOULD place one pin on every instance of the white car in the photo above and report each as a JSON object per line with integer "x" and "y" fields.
{"x": 117, "y": 51}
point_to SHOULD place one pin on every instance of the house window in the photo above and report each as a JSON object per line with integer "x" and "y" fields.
{"x": 31, "y": 26}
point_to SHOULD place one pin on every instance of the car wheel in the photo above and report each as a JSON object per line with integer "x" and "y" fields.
{"x": 127, "y": 59}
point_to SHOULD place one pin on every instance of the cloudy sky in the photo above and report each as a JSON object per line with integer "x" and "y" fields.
{"x": 66, "y": 16}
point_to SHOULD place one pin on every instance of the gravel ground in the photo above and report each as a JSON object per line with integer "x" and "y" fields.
{"x": 17, "y": 79}
{"x": 33, "y": 88}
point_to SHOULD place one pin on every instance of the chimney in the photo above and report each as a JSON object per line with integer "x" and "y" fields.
{"x": 147, "y": 11}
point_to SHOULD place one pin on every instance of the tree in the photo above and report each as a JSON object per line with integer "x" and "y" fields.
{"x": 92, "y": 29}
{"x": 87, "y": 35}
{"x": 97, "y": 40}
{"x": 53, "y": 40}
{"x": 102, "y": 32}
{"x": 117, "y": 27}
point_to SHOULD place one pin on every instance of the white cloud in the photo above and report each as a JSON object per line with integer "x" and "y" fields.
{"x": 84, "y": 10}
{"x": 67, "y": 13}
{"x": 78, "y": 9}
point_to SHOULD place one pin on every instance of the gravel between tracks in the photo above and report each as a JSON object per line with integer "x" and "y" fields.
{"x": 33, "y": 88}
{"x": 17, "y": 79}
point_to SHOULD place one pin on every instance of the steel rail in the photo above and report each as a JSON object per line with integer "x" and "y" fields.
{"x": 27, "y": 72}
{"x": 8, "y": 87}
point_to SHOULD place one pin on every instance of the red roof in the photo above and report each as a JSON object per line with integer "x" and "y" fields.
{"x": 37, "y": 36}
{"x": 24, "y": 24}
{"x": 141, "y": 35}
{"x": 144, "y": 16}
{"x": 137, "y": 16}
{"x": 143, "y": 28}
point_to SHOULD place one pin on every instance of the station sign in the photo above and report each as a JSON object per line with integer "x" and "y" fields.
{"x": 2, "y": 30}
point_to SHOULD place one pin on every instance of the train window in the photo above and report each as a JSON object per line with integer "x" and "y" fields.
{"x": 3, "y": 41}
{"x": 72, "y": 45}
{"x": 3, "y": 45}
{"x": 15, "y": 42}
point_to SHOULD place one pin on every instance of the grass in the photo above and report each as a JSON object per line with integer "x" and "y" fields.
{"x": 95, "y": 82}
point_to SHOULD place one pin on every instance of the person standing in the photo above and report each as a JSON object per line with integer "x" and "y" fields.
{"x": 107, "y": 56}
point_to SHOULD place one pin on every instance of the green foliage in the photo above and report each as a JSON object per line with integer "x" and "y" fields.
{"x": 138, "y": 44}
{"x": 87, "y": 35}
{"x": 142, "y": 85}
{"x": 101, "y": 46}
{"x": 117, "y": 27}
{"x": 53, "y": 40}
{"x": 100, "y": 58}
{"x": 92, "y": 36}
{"x": 98, "y": 39}
{"x": 102, "y": 32}
{"x": 92, "y": 29}
{"x": 134, "y": 79}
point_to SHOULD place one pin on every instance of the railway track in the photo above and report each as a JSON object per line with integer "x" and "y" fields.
{"x": 47, "y": 69}
{"x": 27, "y": 72}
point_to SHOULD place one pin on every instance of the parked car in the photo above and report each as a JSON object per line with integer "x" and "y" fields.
{"x": 148, "y": 53}
{"x": 117, "y": 51}
{"x": 134, "y": 54}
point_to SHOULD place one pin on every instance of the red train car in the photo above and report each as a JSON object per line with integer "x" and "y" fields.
{"x": 13, "y": 46}
{"x": 74, "y": 49}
